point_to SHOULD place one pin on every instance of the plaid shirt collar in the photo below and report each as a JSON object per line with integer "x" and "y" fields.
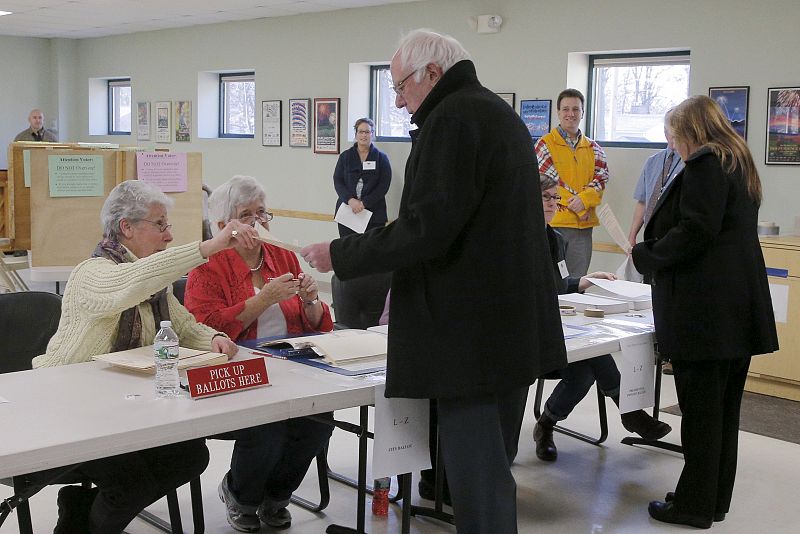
{"x": 569, "y": 141}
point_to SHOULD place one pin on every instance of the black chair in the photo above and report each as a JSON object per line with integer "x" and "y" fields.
{"x": 179, "y": 288}
{"x": 27, "y": 322}
{"x": 601, "y": 408}
{"x": 359, "y": 302}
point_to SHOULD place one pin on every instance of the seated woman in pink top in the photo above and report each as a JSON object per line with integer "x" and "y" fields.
{"x": 248, "y": 293}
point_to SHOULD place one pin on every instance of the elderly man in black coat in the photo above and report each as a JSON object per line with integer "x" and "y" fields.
{"x": 474, "y": 307}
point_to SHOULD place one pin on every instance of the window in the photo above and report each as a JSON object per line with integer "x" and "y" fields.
{"x": 119, "y": 106}
{"x": 630, "y": 94}
{"x": 390, "y": 122}
{"x": 237, "y": 104}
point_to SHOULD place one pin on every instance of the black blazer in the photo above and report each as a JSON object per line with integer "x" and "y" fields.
{"x": 711, "y": 299}
{"x": 474, "y": 306}
{"x": 349, "y": 169}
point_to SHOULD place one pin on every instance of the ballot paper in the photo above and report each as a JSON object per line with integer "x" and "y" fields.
{"x": 623, "y": 288}
{"x": 355, "y": 221}
{"x": 265, "y": 236}
{"x": 611, "y": 224}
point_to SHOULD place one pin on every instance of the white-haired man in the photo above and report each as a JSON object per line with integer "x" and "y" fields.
{"x": 36, "y": 131}
{"x": 474, "y": 310}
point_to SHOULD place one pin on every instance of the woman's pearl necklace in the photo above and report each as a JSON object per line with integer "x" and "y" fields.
{"x": 260, "y": 263}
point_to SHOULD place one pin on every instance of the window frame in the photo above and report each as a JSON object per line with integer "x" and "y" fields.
{"x": 590, "y": 96}
{"x": 226, "y": 77}
{"x": 373, "y": 105}
{"x": 111, "y": 84}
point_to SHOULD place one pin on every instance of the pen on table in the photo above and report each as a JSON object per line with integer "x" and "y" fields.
{"x": 267, "y": 354}
{"x": 292, "y": 280}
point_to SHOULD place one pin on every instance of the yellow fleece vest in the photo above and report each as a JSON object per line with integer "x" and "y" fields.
{"x": 575, "y": 168}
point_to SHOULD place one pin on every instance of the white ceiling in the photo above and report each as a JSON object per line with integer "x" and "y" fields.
{"x": 78, "y": 19}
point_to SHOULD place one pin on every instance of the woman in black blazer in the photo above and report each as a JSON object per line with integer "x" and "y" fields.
{"x": 362, "y": 177}
{"x": 711, "y": 302}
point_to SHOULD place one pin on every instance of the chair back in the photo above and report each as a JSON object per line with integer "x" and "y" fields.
{"x": 27, "y": 322}
{"x": 179, "y": 288}
{"x": 358, "y": 303}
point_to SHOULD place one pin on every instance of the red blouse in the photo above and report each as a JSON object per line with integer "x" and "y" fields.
{"x": 216, "y": 293}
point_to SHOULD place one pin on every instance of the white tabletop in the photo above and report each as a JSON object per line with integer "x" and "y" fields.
{"x": 63, "y": 415}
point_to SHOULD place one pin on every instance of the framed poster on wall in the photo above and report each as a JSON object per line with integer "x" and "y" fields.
{"x": 143, "y": 121}
{"x": 536, "y": 116}
{"x": 271, "y": 123}
{"x": 163, "y": 122}
{"x": 734, "y": 102}
{"x": 326, "y": 125}
{"x": 183, "y": 120}
{"x": 300, "y": 122}
{"x": 783, "y": 126}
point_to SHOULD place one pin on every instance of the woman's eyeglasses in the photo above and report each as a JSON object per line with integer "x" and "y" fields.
{"x": 547, "y": 197}
{"x": 261, "y": 216}
{"x": 162, "y": 226}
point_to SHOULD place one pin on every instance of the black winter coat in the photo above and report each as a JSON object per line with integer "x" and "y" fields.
{"x": 474, "y": 306}
{"x": 711, "y": 299}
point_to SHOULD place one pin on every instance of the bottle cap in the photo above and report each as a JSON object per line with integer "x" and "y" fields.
{"x": 166, "y": 323}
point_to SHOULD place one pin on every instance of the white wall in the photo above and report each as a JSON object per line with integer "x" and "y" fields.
{"x": 25, "y": 83}
{"x": 309, "y": 56}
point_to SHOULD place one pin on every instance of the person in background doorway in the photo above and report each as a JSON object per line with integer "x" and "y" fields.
{"x": 362, "y": 177}
{"x": 36, "y": 131}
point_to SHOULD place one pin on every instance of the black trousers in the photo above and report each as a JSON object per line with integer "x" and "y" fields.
{"x": 482, "y": 488}
{"x": 710, "y": 396}
{"x": 130, "y": 482}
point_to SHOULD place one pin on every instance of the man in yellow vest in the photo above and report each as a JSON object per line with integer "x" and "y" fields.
{"x": 579, "y": 166}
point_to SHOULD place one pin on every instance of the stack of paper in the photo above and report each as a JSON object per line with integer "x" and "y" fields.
{"x": 637, "y": 294}
{"x": 340, "y": 346}
{"x": 142, "y": 359}
{"x": 581, "y": 302}
{"x": 265, "y": 236}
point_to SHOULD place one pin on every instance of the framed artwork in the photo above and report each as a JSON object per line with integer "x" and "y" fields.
{"x": 783, "y": 126}
{"x": 271, "y": 123}
{"x": 734, "y": 102}
{"x": 326, "y": 125}
{"x": 143, "y": 121}
{"x": 300, "y": 122}
{"x": 183, "y": 120}
{"x": 510, "y": 98}
{"x": 536, "y": 116}
{"x": 163, "y": 122}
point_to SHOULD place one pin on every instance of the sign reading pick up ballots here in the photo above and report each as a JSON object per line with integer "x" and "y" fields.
{"x": 227, "y": 377}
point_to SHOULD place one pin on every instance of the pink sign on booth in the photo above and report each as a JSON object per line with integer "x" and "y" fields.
{"x": 165, "y": 170}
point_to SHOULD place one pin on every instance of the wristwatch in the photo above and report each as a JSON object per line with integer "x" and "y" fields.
{"x": 311, "y": 302}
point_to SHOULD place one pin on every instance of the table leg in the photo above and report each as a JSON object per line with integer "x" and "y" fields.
{"x": 362, "y": 479}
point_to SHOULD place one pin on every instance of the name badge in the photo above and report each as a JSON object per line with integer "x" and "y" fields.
{"x": 369, "y": 165}
{"x": 227, "y": 377}
{"x": 562, "y": 268}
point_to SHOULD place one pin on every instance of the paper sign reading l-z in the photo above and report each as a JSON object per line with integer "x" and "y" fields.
{"x": 227, "y": 377}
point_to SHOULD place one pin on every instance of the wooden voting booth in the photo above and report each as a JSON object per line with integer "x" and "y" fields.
{"x": 63, "y": 231}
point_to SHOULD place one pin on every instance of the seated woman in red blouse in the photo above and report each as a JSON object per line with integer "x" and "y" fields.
{"x": 249, "y": 293}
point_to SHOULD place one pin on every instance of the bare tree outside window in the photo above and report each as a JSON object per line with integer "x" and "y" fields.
{"x": 631, "y": 94}
{"x": 237, "y": 105}
{"x": 389, "y": 121}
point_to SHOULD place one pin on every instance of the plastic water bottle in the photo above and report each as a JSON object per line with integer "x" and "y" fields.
{"x": 380, "y": 497}
{"x": 165, "y": 347}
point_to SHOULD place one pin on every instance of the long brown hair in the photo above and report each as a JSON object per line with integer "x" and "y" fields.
{"x": 699, "y": 121}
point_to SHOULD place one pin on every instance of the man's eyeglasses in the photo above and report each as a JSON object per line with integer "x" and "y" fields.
{"x": 400, "y": 88}
{"x": 261, "y": 216}
{"x": 162, "y": 226}
{"x": 547, "y": 197}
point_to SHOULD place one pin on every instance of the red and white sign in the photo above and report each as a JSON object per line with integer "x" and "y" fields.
{"x": 227, "y": 377}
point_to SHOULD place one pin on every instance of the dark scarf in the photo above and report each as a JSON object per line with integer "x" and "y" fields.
{"x": 129, "y": 333}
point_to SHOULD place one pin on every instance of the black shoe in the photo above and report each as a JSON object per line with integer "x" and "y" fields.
{"x": 666, "y": 513}
{"x": 543, "y": 436}
{"x": 641, "y": 423}
{"x": 718, "y": 516}
{"x": 74, "y": 504}
{"x": 427, "y": 490}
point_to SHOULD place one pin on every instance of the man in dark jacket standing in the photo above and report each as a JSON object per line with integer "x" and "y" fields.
{"x": 474, "y": 307}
